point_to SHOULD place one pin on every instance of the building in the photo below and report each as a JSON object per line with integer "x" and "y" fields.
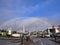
{"x": 3, "y": 33}
{"x": 9, "y": 32}
{"x": 33, "y": 33}
{"x": 40, "y": 32}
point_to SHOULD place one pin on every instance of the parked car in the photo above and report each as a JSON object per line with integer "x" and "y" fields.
{"x": 47, "y": 35}
{"x": 16, "y": 35}
{"x": 58, "y": 35}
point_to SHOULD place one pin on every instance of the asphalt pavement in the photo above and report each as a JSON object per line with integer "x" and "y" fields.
{"x": 36, "y": 41}
{"x": 43, "y": 41}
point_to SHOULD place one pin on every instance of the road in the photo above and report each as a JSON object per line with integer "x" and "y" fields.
{"x": 43, "y": 41}
{"x": 9, "y": 42}
{"x": 36, "y": 41}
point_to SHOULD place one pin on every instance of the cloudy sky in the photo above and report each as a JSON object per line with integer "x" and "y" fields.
{"x": 46, "y": 9}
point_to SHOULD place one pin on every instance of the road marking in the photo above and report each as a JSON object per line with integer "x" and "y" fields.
{"x": 35, "y": 41}
{"x": 41, "y": 42}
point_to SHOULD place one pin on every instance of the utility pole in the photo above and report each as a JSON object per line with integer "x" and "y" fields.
{"x": 22, "y": 35}
{"x": 23, "y": 29}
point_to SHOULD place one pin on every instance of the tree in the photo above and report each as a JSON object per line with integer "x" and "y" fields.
{"x": 14, "y": 32}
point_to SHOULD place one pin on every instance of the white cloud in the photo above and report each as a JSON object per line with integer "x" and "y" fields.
{"x": 30, "y": 23}
{"x": 55, "y": 19}
{"x": 16, "y": 7}
{"x": 23, "y": 10}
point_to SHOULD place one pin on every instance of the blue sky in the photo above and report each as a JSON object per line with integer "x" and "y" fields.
{"x": 49, "y": 9}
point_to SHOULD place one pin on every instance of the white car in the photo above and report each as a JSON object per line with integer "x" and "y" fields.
{"x": 47, "y": 35}
{"x": 15, "y": 35}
